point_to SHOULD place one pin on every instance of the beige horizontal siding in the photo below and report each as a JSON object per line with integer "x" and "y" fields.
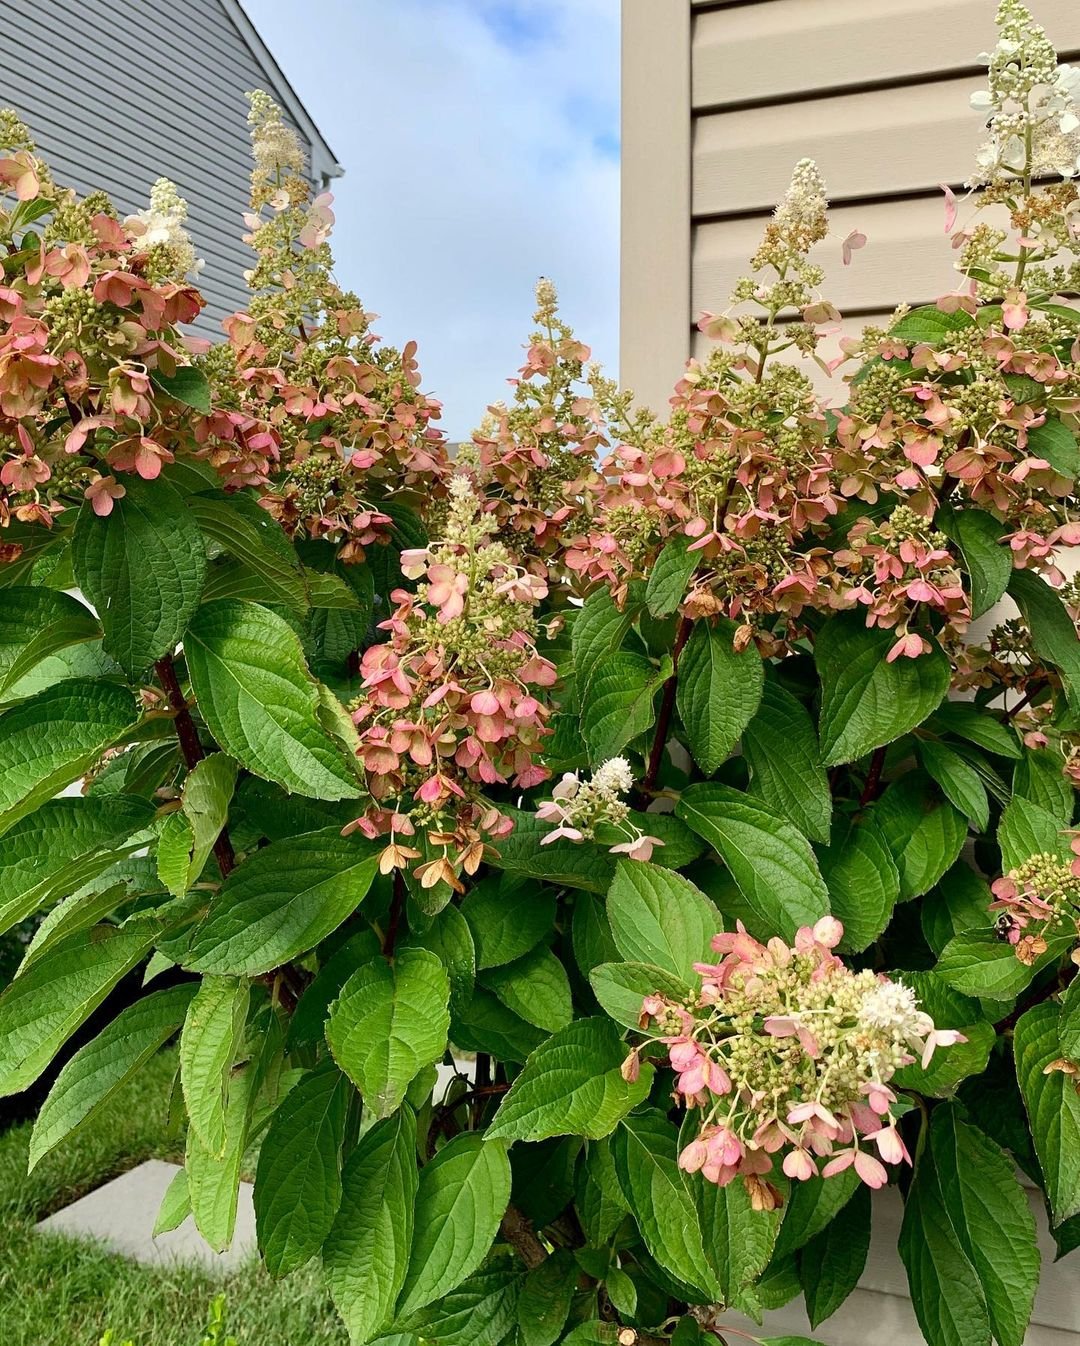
{"x": 886, "y": 143}
{"x": 907, "y": 258}
{"x": 797, "y": 48}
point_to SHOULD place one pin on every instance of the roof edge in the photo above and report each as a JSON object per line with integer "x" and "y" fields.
{"x": 324, "y": 162}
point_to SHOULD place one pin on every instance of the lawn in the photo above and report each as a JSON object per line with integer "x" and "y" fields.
{"x": 57, "y": 1292}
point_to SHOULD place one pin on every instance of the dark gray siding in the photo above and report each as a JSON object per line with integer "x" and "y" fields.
{"x": 118, "y": 93}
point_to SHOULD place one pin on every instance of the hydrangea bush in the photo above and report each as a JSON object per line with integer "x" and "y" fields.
{"x": 580, "y": 868}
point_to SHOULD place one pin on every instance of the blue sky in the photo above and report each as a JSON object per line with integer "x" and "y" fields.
{"x": 480, "y": 143}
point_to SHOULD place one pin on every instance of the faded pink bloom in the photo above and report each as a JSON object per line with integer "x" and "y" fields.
{"x": 102, "y": 493}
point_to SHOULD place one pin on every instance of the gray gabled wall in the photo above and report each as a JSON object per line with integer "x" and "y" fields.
{"x": 119, "y": 92}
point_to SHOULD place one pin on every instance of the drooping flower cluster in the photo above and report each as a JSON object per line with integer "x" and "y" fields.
{"x": 1040, "y": 897}
{"x": 786, "y": 1051}
{"x": 974, "y": 402}
{"x": 452, "y": 701}
{"x": 89, "y": 317}
{"x": 897, "y": 566}
{"x": 742, "y": 468}
{"x": 579, "y": 807}
{"x": 311, "y": 406}
{"x": 537, "y": 457}
{"x": 162, "y": 231}
{"x": 1029, "y": 104}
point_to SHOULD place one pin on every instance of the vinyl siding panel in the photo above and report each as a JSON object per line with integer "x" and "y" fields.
{"x": 794, "y": 49}
{"x": 117, "y": 96}
{"x": 868, "y": 145}
{"x": 877, "y": 94}
{"x": 907, "y": 258}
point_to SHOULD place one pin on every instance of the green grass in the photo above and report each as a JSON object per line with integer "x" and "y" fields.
{"x": 59, "y": 1292}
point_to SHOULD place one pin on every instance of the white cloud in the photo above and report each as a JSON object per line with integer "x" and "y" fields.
{"x": 478, "y": 138}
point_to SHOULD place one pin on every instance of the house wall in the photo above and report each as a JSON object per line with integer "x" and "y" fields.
{"x": 722, "y": 97}
{"x": 118, "y": 94}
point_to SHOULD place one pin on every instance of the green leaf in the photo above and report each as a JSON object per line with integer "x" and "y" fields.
{"x": 507, "y": 918}
{"x": 646, "y": 1160}
{"x": 1038, "y": 777}
{"x": 598, "y": 1197}
{"x": 618, "y": 703}
{"x": 786, "y": 772}
{"x": 1069, "y": 1033}
{"x": 480, "y": 1312}
{"x": 63, "y": 845}
{"x": 367, "y": 1253}
{"x": 54, "y": 738}
{"x": 98, "y": 1070}
{"x": 659, "y": 917}
{"x": 283, "y": 900}
{"x": 546, "y": 1298}
{"x": 670, "y": 576}
{"x": 977, "y": 726}
{"x": 186, "y": 384}
{"x": 535, "y": 987}
{"x": 1054, "y": 441}
{"x": 462, "y": 1197}
{"x": 260, "y": 702}
{"x": 988, "y": 564}
{"x": 209, "y": 1045}
{"x": 449, "y": 938}
{"x": 298, "y": 1181}
{"x": 389, "y": 1023}
{"x": 1053, "y": 633}
{"x": 738, "y": 1240}
{"x": 594, "y": 1333}
{"x": 40, "y": 1010}
{"x": 929, "y": 324}
{"x": 925, "y": 836}
{"x": 78, "y": 911}
{"x": 1025, "y": 830}
{"x": 571, "y": 1085}
{"x": 959, "y": 903}
{"x": 718, "y": 692}
{"x": 959, "y": 782}
{"x": 185, "y": 846}
{"x": 214, "y": 1178}
{"x": 978, "y": 964}
{"x": 175, "y": 1205}
{"x": 1053, "y": 1107}
{"x": 485, "y": 1024}
{"x": 238, "y": 524}
{"x": 833, "y": 1261}
{"x": 772, "y": 863}
{"x": 36, "y": 623}
{"x": 143, "y": 567}
{"x": 598, "y": 632}
{"x": 866, "y": 701}
{"x": 621, "y": 987}
{"x": 968, "y": 1238}
{"x": 811, "y": 1206}
{"x": 87, "y": 660}
{"x": 863, "y": 882}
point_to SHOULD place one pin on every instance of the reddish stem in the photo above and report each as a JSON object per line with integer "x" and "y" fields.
{"x": 191, "y": 748}
{"x": 871, "y": 789}
{"x": 397, "y": 908}
{"x": 667, "y": 706}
